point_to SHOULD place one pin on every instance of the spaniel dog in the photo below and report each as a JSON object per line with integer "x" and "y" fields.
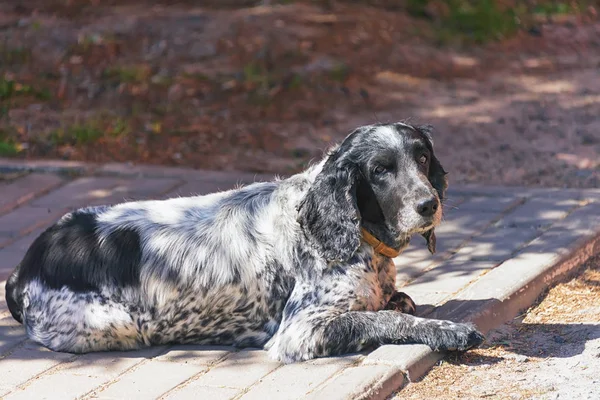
{"x": 300, "y": 266}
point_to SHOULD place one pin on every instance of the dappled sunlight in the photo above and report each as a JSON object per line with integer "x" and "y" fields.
{"x": 544, "y": 86}
{"x": 465, "y": 61}
{"x": 99, "y": 193}
{"x": 579, "y": 161}
{"x": 482, "y": 107}
{"x": 583, "y": 101}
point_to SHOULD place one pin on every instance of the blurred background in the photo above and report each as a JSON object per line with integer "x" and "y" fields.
{"x": 512, "y": 87}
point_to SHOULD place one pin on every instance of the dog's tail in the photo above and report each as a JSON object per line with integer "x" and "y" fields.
{"x": 14, "y": 296}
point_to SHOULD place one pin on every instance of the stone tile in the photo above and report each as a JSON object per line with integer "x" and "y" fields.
{"x": 442, "y": 281}
{"x": 248, "y": 366}
{"x": 11, "y": 255}
{"x": 78, "y": 193}
{"x": 538, "y": 213}
{"x": 454, "y": 232}
{"x": 195, "y": 354}
{"x": 103, "y": 190}
{"x": 120, "y": 169}
{"x": 357, "y": 381}
{"x": 136, "y": 189}
{"x": 150, "y": 380}
{"x": 108, "y": 365}
{"x": 25, "y": 219}
{"x": 292, "y": 381}
{"x": 496, "y": 244}
{"x": 486, "y": 204}
{"x": 26, "y": 363}
{"x": 11, "y": 333}
{"x": 56, "y": 386}
{"x": 195, "y": 392}
{"x": 25, "y": 189}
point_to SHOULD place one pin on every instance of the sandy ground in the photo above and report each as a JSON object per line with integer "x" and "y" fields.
{"x": 550, "y": 352}
{"x": 267, "y": 89}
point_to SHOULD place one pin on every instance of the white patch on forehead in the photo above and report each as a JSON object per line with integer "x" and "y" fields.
{"x": 386, "y": 135}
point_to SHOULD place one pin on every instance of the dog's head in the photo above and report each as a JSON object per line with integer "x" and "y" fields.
{"x": 384, "y": 177}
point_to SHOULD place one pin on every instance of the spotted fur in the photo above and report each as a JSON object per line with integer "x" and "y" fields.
{"x": 278, "y": 264}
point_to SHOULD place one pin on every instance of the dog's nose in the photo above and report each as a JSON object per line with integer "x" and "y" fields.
{"x": 428, "y": 207}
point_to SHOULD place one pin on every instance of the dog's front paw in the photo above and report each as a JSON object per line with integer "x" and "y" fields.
{"x": 455, "y": 337}
{"x": 402, "y": 302}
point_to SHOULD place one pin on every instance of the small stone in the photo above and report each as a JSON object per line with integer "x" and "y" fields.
{"x": 517, "y": 357}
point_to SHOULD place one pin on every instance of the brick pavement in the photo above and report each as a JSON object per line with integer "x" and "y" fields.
{"x": 498, "y": 248}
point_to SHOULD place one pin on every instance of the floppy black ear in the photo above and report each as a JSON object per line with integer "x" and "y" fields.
{"x": 437, "y": 178}
{"x": 329, "y": 214}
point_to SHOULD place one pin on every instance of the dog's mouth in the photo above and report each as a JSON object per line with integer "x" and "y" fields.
{"x": 420, "y": 228}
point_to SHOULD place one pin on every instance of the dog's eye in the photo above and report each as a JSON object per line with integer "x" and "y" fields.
{"x": 379, "y": 169}
{"x": 423, "y": 159}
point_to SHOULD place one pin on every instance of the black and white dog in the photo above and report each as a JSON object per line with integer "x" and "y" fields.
{"x": 300, "y": 265}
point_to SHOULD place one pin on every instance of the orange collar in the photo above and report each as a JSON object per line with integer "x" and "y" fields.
{"x": 378, "y": 245}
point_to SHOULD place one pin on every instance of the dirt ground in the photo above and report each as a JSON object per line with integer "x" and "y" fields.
{"x": 268, "y": 88}
{"x": 550, "y": 352}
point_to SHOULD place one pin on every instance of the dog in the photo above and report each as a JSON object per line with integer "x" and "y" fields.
{"x": 301, "y": 266}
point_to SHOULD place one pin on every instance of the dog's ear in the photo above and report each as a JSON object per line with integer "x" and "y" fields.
{"x": 438, "y": 180}
{"x": 329, "y": 214}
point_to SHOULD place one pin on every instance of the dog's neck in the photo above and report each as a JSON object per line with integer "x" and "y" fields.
{"x": 379, "y": 246}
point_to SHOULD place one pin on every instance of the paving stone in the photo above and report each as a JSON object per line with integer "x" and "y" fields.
{"x": 24, "y": 219}
{"x": 248, "y": 366}
{"x": 487, "y": 204}
{"x": 194, "y": 392}
{"x": 443, "y": 281}
{"x": 355, "y": 381}
{"x": 454, "y": 232}
{"x": 496, "y": 244}
{"x": 103, "y": 190}
{"x": 150, "y": 380}
{"x": 474, "y": 190}
{"x": 24, "y": 189}
{"x": 293, "y": 381}
{"x": 108, "y": 365}
{"x": 196, "y": 354}
{"x": 538, "y": 213}
{"x": 77, "y": 193}
{"x": 56, "y": 386}
{"x": 11, "y": 255}
{"x": 119, "y": 169}
{"x": 3, "y": 306}
{"x": 11, "y": 333}
{"x": 26, "y": 363}
{"x": 137, "y": 189}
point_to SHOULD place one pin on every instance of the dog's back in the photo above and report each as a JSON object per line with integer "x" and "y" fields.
{"x": 202, "y": 269}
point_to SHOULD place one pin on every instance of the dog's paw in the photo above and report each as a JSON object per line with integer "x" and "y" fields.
{"x": 402, "y": 302}
{"x": 456, "y": 337}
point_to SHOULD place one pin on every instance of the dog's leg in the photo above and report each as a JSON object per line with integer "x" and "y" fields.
{"x": 315, "y": 332}
{"x": 402, "y": 302}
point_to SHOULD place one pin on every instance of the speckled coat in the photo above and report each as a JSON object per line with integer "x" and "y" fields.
{"x": 277, "y": 264}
